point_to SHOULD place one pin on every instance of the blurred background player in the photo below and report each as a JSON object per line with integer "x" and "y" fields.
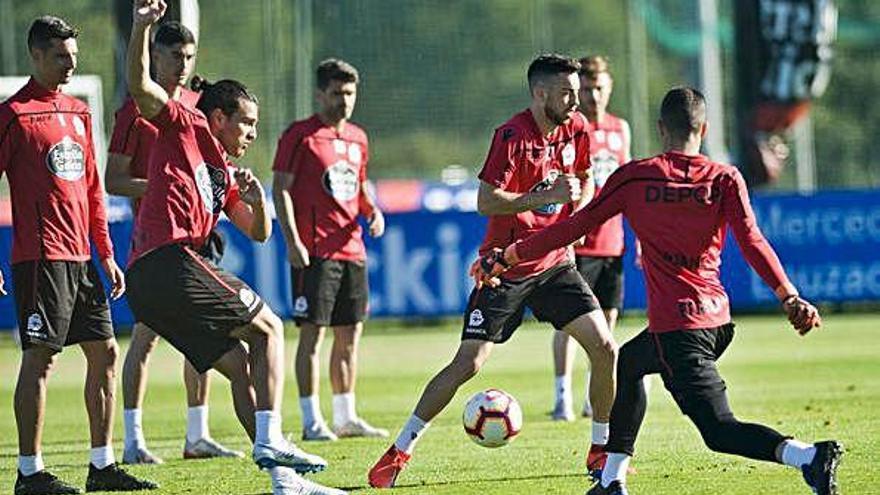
{"x": 320, "y": 188}
{"x": 531, "y": 179}
{"x": 202, "y": 310}
{"x": 680, "y": 204}
{"x": 600, "y": 258}
{"x": 46, "y": 149}
{"x": 172, "y": 58}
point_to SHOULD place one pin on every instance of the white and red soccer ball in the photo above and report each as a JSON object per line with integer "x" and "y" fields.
{"x": 492, "y": 418}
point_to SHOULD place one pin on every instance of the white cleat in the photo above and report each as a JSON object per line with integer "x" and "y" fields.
{"x": 359, "y": 428}
{"x": 285, "y": 481}
{"x": 139, "y": 455}
{"x": 286, "y": 454}
{"x": 318, "y": 432}
{"x": 206, "y": 448}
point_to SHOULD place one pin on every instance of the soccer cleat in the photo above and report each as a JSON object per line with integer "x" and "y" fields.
{"x": 136, "y": 455}
{"x": 113, "y": 479}
{"x": 285, "y": 481}
{"x": 596, "y": 459}
{"x": 615, "y": 488}
{"x": 821, "y": 474}
{"x": 388, "y": 467}
{"x": 318, "y": 432}
{"x": 42, "y": 483}
{"x": 206, "y": 448}
{"x": 562, "y": 411}
{"x": 287, "y": 455}
{"x": 359, "y": 428}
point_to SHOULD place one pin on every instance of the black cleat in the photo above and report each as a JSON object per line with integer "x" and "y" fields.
{"x": 821, "y": 474}
{"x": 615, "y": 488}
{"x": 113, "y": 479}
{"x": 42, "y": 483}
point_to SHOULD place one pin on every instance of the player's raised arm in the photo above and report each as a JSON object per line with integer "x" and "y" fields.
{"x": 149, "y": 96}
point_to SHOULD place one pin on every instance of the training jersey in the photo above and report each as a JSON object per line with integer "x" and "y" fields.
{"x": 521, "y": 160}
{"x": 191, "y": 182}
{"x": 134, "y": 136}
{"x": 47, "y": 151}
{"x": 609, "y": 149}
{"x": 329, "y": 168}
{"x": 680, "y": 207}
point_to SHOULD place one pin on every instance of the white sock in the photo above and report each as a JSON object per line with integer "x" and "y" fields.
{"x": 101, "y": 457}
{"x": 600, "y": 433}
{"x": 197, "y": 423}
{"x": 796, "y": 453}
{"x": 343, "y": 409}
{"x": 615, "y": 468}
{"x": 30, "y": 464}
{"x": 134, "y": 430}
{"x": 311, "y": 411}
{"x": 413, "y": 429}
{"x": 268, "y": 427}
{"x": 563, "y": 388}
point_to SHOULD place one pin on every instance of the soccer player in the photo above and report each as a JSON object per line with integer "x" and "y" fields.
{"x": 680, "y": 204}
{"x": 172, "y": 59}
{"x": 531, "y": 179}
{"x": 319, "y": 189}
{"x": 600, "y": 258}
{"x": 202, "y": 310}
{"x": 47, "y": 151}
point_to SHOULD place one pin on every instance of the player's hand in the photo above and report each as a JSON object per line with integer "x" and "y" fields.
{"x": 2, "y": 289}
{"x": 250, "y": 189}
{"x": 147, "y": 12}
{"x": 565, "y": 189}
{"x": 115, "y": 276}
{"x": 298, "y": 255}
{"x": 377, "y": 223}
{"x": 487, "y": 268}
{"x": 802, "y": 315}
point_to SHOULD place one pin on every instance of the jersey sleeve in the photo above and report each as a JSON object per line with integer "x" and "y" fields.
{"x": 501, "y": 162}
{"x": 285, "y": 156}
{"x": 171, "y": 116}
{"x": 7, "y": 140}
{"x": 98, "y": 229}
{"x": 610, "y": 201}
{"x": 737, "y": 210}
{"x": 124, "y": 138}
{"x": 582, "y": 161}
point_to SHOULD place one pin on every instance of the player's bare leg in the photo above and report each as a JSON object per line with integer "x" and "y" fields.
{"x": 611, "y": 315}
{"x": 100, "y": 388}
{"x": 30, "y": 398}
{"x": 307, "y": 368}
{"x": 199, "y": 444}
{"x": 343, "y": 376}
{"x": 234, "y": 366}
{"x": 134, "y": 389}
{"x": 563, "y": 361}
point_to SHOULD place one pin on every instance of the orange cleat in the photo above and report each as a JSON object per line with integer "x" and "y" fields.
{"x": 596, "y": 459}
{"x": 388, "y": 467}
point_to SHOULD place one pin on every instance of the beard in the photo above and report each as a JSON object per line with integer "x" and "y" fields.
{"x": 558, "y": 117}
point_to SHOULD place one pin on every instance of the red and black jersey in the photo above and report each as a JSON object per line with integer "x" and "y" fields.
{"x": 190, "y": 182}
{"x": 523, "y": 160}
{"x": 609, "y": 149}
{"x": 680, "y": 207}
{"x": 329, "y": 168}
{"x": 47, "y": 151}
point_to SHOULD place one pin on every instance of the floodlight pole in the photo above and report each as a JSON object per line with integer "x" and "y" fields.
{"x": 711, "y": 80}
{"x": 637, "y": 63}
{"x": 303, "y": 53}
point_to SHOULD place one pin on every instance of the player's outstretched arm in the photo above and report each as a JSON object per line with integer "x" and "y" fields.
{"x": 249, "y": 214}
{"x": 149, "y": 96}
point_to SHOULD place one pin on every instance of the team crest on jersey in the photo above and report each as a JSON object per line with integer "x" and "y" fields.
{"x": 300, "y": 306}
{"x": 66, "y": 159}
{"x": 354, "y": 153}
{"x": 203, "y": 184}
{"x": 79, "y": 126}
{"x": 341, "y": 181}
{"x": 476, "y": 318}
{"x": 604, "y": 164}
{"x": 551, "y": 208}
{"x": 219, "y": 176}
{"x": 568, "y": 155}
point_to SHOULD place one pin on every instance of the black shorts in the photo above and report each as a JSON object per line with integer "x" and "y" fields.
{"x": 330, "y": 292}
{"x": 604, "y": 274}
{"x": 215, "y": 246}
{"x": 60, "y": 303}
{"x": 558, "y": 296}
{"x": 190, "y": 302}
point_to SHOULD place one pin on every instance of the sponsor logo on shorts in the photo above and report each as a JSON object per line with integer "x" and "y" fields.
{"x": 66, "y": 159}
{"x": 300, "y": 306}
{"x": 476, "y": 318}
{"x": 474, "y": 331}
{"x": 35, "y": 326}
{"x": 248, "y": 298}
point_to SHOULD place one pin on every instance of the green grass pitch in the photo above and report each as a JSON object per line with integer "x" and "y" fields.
{"x": 824, "y": 386}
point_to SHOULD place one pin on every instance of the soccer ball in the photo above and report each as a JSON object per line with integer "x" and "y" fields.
{"x": 492, "y": 418}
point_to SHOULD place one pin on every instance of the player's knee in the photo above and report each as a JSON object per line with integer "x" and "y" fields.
{"x": 111, "y": 353}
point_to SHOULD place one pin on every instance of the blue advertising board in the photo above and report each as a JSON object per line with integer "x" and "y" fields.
{"x": 829, "y": 243}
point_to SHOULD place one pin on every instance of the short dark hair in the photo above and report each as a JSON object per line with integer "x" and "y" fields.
{"x": 172, "y": 33}
{"x": 46, "y": 28}
{"x": 683, "y": 111}
{"x": 593, "y": 65}
{"x": 224, "y": 95}
{"x": 334, "y": 69}
{"x": 549, "y": 65}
